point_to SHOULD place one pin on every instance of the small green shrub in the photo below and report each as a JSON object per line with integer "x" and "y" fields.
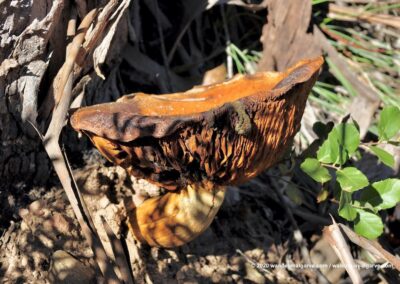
{"x": 340, "y": 146}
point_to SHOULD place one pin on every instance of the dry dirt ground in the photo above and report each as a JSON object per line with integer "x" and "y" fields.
{"x": 43, "y": 243}
{"x": 245, "y": 230}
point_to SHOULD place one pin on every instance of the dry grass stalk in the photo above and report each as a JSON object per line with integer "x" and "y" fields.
{"x": 339, "y": 245}
{"x": 358, "y": 14}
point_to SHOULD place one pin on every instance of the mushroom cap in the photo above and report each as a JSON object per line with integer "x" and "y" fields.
{"x": 222, "y": 134}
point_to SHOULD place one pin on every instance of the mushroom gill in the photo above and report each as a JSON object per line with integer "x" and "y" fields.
{"x": 196, "y": 142}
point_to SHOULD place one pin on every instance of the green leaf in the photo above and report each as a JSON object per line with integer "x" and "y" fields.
{"x": 342, "y": 141}
{"x": 383, "y": 156}
{"x": 331, "y": 152}
{"x": 351, "y": 179}
{"x": 389, "y": 123}
{"x": 346, "y": 210}
{"x": 348, "y": 136}
{"x": 368, "y": 224}
{"x": 364, "y": 205}
{"x": 328, "y": 152}
{"x": 314, "y": 169}
{"x": 382, "y": 194}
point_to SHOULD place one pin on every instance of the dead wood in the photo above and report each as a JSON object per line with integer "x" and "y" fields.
{"x": 354, "y": 14}
{"x": 287, "y": 36}
{"x": 338, "y": 243}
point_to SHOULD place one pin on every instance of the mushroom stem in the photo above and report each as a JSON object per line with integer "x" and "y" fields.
{"x": 176, "y": 218}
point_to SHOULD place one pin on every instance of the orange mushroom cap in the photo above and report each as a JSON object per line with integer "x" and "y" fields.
{"x": 224, "y": 133}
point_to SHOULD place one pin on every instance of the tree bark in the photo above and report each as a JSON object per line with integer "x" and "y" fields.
{"x": 287, "y": 36}
{"x": 33, "y": 40}
{"x": 29, "y": 44}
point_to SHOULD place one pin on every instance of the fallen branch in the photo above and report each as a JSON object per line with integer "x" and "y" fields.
{"x": 62, "y": 90}
{"x": 339, "y": 245}
{"x": 372, "y": 246}
{"x": 119, "y": 253}
{"x": 357, "y": 14}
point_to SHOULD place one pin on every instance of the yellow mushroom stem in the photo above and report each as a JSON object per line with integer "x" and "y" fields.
{"x": 177, "y": 217}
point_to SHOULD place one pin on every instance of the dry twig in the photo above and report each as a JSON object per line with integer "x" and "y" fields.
{"x": 356, "y": 14}
{"x": 372, "y": 246}
{"x": 339, "y": 245}
{"x": 62, "y": 90}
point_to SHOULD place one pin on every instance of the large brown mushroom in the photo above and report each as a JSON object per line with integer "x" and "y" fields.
{"x": 195, "y": 143}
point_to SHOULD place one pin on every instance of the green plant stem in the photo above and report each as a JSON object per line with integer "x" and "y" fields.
{"x": 331, "y": 166}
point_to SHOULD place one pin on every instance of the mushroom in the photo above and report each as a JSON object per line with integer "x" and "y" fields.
{"x": 195, "y": 143}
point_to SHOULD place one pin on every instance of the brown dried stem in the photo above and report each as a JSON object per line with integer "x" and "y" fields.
{"x": 339, "y": 245}
{"x": 360, "y": 14}
{"x": 63, "y": 92}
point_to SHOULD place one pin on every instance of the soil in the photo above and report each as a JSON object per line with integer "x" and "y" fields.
{"x": 251, "y": 228}
{"x": 41, "y": 241}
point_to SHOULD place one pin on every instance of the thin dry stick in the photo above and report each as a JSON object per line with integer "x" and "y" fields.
{"x": 60, "y": 79}
{"x": 229, "y": 60}
{"x": 63, "y": 89}
{"x": 358, "y": 14}
{"x": 71, "y": 28}
{"x": 83, "y": 50}
{"x": 124, "y": 268}
{"x": 339, "y": 245}
{"x": 78, "y": 195}
{"x": 72, "y": 53}
{"x": 91, "y": 41}
{"x": 197, "y": 7}
{"x": 255, "y": 264}
{"x": 119, "y": 253}
{"x": 372, "y": 246}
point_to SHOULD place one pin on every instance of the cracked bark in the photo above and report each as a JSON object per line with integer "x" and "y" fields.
{"x": 28, "y": 44}
{"x": 32, "y": 50}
